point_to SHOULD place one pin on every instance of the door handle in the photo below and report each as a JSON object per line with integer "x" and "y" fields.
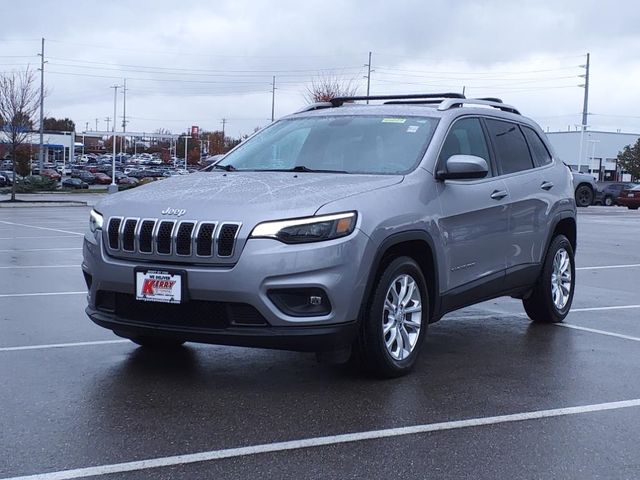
{"x": 546, "y": 185}
{"x": 499, "y": 194}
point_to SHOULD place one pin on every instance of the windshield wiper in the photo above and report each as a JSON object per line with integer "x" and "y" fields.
{"x": 226, "y": 168}
{"x": 302, "y": 168}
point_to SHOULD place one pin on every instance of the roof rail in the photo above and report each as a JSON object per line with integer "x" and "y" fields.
{"x": 339, "y": 101}
{"x": 315, "y": 106}
{"x": 452, "y": 103}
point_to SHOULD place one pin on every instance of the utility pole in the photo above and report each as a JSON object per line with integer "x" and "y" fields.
{"x": 86, "y": 126}
{"x": 124, "y": 115}
{"x": 113, "y": 188}
{"x": 273, "y": 98}
{"x": 41, "y": 150}
{"x": 224, "y": 122}
{"x": 97, "y": 125}
{"x": 585, "y": 105}
{"x": 108, "y": 120}
{"x": 368, "y": 77}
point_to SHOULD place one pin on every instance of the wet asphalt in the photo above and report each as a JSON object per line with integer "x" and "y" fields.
{"x": 93, "y": 405}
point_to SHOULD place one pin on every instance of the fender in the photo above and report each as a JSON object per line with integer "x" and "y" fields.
{"x": 554, "y": 223}
{"x": 395, "y": 239}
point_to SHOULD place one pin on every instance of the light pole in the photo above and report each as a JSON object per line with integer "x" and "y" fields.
{"x": 113, "y": 188}
{"x": 186, "y": 144}
{"x": 582, "y": 129}
{"x": 593, "y": 152}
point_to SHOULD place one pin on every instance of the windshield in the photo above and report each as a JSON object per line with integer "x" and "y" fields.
{"x": 346, "y": 144}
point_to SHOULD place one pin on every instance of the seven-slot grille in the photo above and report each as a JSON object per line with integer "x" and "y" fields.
{"x": 170, "y": 237}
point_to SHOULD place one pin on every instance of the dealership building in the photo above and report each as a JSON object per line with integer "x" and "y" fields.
{"x": 593, "y": 152}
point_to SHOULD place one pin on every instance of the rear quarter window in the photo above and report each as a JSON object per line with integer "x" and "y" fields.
{"x": 539, "y": 152}
{"x": 511, "y": 150}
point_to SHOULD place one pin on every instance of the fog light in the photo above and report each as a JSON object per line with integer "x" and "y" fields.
{"x": 301, "y": 302}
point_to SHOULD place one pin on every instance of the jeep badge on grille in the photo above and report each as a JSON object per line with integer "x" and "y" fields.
{"x": 178, "y": 212}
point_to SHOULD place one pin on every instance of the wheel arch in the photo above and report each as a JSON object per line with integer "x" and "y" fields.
{"x": 564, "y": 224}
{"x": 416, "y": 244}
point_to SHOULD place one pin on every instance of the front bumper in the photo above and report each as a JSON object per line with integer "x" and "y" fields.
{"x": 339, "y": 267}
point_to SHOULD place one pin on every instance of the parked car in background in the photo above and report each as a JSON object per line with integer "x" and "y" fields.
{"x": 3, "y": 181}
{"x": 630, "y": 197}
{"x": 85, "y": 176}
{"x": 74, "y": 183}
{"x": 52, "y": 174}
{"x": 127, "y": 181}
{"x": 585, "y": 187}
{"x": 609, "y": 194}
{"x": 102, "y": 178}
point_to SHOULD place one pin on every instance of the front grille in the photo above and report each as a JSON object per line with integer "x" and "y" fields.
{"x": 183, "y": 238}
{"x": 113, "y": 231}
{"x": 163, "y": 237}
{"x": 129, "y": 237}
{"x": 192, "y": 314}
{"x": 227, "y": 239}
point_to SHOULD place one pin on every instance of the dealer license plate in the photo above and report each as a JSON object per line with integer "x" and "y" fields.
{"x": 158, "y": 286}
{"x": 630, "y": 195}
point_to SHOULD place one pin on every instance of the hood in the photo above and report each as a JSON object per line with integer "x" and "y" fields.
{"x": 247, "y": 197}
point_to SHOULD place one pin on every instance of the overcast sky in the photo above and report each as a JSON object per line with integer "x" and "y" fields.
{"x": 194, "y": 63}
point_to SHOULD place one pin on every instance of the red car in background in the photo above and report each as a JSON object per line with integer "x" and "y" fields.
{"x": 52, "y": 174}
{"x": 102, "y": 178}
{"x": 630, "y": 198}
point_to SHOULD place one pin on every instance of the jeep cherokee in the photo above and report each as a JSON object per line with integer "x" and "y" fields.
{"x": 342, "y": 229}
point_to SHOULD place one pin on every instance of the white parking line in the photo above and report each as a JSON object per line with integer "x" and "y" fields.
{"x": 37, "y": 237}
{"x": 40, "y": 228}
{"x": 604, "y": 267}
{"x": 39, "y": 249}
{"x": 61, "y": 345}
{"x": 322, "y": 441}
{"x": 38, "y": 266}
{"x": 41, "y": 294}
{"x": 600, "y": 332}
{"x": 598, "y": 309}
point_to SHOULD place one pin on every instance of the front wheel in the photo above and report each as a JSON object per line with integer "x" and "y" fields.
{"x": 551, "y": 298}
{"x": 396, "y": 320}
{"x": 608, "y": 201}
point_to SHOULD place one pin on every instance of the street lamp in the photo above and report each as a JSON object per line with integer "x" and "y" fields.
{"x": 582, "y": 129}
{"x": 593, "y": 154}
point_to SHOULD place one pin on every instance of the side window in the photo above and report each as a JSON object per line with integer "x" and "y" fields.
{"x": 466, "y": 137}
{"x": 541, "y": 155}
{"x": 512, "y": 153}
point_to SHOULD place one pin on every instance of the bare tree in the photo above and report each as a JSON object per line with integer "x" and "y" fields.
{"x": 19, "y": 104}
{"x": 325, "y": 87}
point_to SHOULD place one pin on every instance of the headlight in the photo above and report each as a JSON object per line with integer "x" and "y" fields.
{"x": 310, "y": 229}
{"x": 95, "y": 221}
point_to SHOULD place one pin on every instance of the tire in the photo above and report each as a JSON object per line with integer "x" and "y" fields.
{"x": 157, "y": 343}
{"x": 371, "y": 348}
{"x": 542, "y": 306}
{"x": 608, "y": 202}
{"x": 633, "y": 208}
{"x": 584, "y": 196}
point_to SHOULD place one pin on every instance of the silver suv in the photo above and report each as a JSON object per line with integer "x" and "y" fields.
{"x": 343, "y": 229}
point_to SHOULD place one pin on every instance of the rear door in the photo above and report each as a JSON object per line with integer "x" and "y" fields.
{"x": 474, "y": 223}
{"x": 530, "y": 188}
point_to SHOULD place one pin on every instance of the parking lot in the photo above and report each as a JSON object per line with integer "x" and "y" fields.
{"x": 493, "y": 396}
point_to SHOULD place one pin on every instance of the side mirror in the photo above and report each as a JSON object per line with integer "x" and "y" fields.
{"x": 460, "y": 167}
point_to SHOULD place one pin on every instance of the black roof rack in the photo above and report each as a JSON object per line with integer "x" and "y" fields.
{"x": 339, "y": 101}
{"x": 491, "y": 99}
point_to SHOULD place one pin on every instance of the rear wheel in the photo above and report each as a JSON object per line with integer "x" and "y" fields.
{"x": 396, "y": 320}
{"x": 632, "y": 208}
{"x": 584, "y": 196}
{"x": 551, "y": 298}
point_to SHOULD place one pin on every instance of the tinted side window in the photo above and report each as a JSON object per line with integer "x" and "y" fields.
{"x": 512, "y": 153}
{"x": 541, "y": 155}
{"x": 466, "y": 137}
